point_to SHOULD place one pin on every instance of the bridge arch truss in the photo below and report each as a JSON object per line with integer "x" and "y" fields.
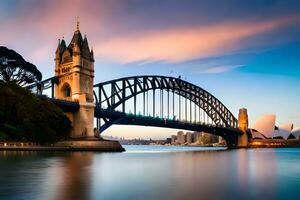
{"x": 113, "y": 94}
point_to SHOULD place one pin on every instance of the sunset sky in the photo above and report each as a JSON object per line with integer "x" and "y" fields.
{"x": 246, "y": 53}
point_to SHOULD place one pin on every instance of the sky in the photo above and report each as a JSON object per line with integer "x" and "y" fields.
{"x": 245, "y": 53}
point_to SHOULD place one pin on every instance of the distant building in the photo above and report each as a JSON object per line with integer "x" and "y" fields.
{"x": 197, "y": 137}
{"x": 207, "y": 138}
{"x": 180, "y": 137}
{"x": 220, "y": 139}
{"x": 169, "y": 140}
{"x": 194, "y": 138}
{"x": 189, "y": 137}
{"x": 173, "y": 139}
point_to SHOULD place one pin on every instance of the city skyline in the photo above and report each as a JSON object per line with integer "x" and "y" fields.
{"x": 245, "y": 60}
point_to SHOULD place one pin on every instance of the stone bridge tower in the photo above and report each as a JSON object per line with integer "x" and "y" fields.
{"x": 74, "y": 67}
{"x": 243, "y": 126}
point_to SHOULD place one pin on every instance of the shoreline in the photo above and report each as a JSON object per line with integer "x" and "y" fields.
{"x": 68, "y": 145}
{"x": 274, "y": 143}
{"x": 96, "y": 145}
{"x": 49, "y": 148}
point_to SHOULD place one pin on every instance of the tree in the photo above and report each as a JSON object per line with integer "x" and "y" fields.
{"x": 13, "y": 68}
{"x": 25, "y": 117}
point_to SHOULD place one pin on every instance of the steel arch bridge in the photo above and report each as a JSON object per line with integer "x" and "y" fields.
{"x": 113, "y": 94}
{"x": 197, "y": 109}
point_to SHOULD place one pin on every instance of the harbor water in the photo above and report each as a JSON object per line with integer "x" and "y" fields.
{"x": 152, "y": 172}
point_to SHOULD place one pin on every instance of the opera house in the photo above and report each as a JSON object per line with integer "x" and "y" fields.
{"x": 265, "y": 128}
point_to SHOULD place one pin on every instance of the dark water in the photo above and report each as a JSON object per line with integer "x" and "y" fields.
{"x": 152, "y": 172}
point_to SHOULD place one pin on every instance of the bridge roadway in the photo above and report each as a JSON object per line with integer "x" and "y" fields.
{"x": 66, "y": 106}
{"x": 230, "y": 134}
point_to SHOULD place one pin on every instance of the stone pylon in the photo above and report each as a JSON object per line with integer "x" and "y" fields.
{"x": 243, "y": 126}
{"x": 74, "y": 67}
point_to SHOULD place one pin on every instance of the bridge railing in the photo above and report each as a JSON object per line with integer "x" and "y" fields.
{"x": 40, "y": 87}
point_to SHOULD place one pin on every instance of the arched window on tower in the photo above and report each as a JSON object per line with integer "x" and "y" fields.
{"x": 67, "y": 91}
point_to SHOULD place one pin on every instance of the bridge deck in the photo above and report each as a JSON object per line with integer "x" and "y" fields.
{"x": 130, "y": 119}
{"x": 66, "y": 106}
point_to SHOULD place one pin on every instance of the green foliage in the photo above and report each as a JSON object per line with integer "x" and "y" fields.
{"x": 13, "y": 68}
{"x": 24, "y": 117}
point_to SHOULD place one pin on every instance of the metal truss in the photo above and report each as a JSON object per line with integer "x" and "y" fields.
{"x": 114, "y": 93}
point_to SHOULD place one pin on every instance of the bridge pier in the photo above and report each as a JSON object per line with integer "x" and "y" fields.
{"x": 242, "y": 141}
{"x": 82, "y": 121}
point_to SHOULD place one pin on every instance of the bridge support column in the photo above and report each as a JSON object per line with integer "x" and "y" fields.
{"x": 242, "y": 140}
{"x": 82, "y": 121}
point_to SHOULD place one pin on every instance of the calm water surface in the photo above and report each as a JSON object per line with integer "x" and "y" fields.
{"x": 152, "y": 172}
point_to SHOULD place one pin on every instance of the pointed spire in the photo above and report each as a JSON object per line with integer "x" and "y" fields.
{"x": 85, "y": 39}
{"x": 58, "y": 47}
{"x": 92, "y": 54}
{"x": 77, "y": 37}
{"x": 63, "y": 45}
{"x": 85, "y": 47}
{"x": 77, "y": 25}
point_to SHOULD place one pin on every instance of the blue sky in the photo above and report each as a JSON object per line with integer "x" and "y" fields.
{"x": 246, "y": 53}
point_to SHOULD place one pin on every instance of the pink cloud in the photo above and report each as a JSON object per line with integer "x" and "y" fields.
{"x": 219, "y": 69}
{"x": 39, "y": 28}
{"x": 34, "y": 33}
{"x": 180, "y": 44}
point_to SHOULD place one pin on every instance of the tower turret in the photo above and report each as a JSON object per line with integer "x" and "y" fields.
{"x": 57, "y": 56}
{"x": 92, "y": 55}
{"x": 63, "y": 45}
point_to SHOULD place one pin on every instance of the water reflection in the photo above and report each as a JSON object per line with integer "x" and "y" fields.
{"x": 151, "y": 173}
{"x": 75, "y": 177}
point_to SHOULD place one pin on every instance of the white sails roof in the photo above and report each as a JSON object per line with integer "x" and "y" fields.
{"x": 283, "y": 131}
{"x": 256, "y": 134}
{"x": 296, "y": 133}
{"x": 288, "y": 127}
{"x": 265, "y": 125}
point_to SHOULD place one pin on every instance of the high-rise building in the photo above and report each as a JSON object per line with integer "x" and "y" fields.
{"x": 207, "y": 138}
{"x": 197, "y": 137}
{"x": 173, "y": 139}
{"x": 168, "y": 140}
{"x": 189, "y": 137}
{"x": 180, "y": 137}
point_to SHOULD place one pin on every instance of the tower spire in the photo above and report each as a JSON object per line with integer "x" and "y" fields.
{"x": 77, "y": 23}
{"x": 58, "y": 48}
